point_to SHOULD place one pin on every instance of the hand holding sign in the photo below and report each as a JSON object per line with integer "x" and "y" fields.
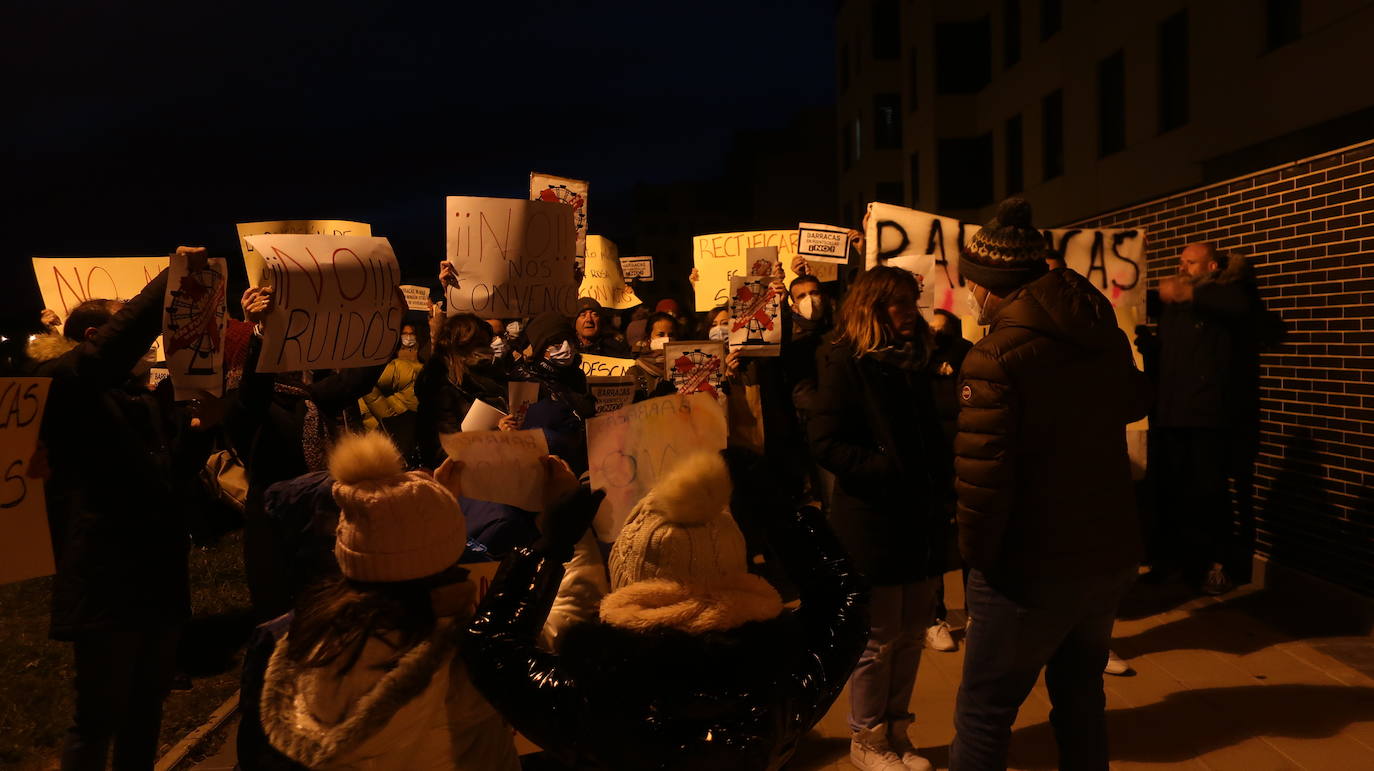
{"x": 501, "y": 466}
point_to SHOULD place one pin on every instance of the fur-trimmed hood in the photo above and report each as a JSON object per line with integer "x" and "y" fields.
{"x": 1236, "y": 269}
{"x": 48, "y": 347}
{"x": 415, "y": 711}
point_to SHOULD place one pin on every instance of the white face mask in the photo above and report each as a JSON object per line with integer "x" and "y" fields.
{"x": 407, "y": 341}
{"x": 720, "y": 334}
{"x": 657, "y": 343}
{"x": 560, "y": 355}
{"x": 809, "y": 307}
{"x": 976, "y": 308}
{"x": 498, "y": 346}
{"x": 513, "y": 329}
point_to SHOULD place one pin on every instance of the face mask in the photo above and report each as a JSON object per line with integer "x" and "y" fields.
{"x": 809, "y": 307}
{"x": 720, "y": 334}
{"x": 975, "y": 308}
{"x": 513, "y": 329}
{"x": 407, "y": 341}
{"x": 560, "y": 355}
{"x": 657, "y": 343}
{"x": 481, "y": 356}
{"x": 499, "y": 346}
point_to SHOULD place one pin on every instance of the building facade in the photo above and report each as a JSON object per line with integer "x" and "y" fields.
{"x": 1086, "y": 106}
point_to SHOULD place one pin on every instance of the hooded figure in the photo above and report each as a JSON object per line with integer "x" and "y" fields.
{"x": 693, "y": 662}
{"x": 367, "y": 675}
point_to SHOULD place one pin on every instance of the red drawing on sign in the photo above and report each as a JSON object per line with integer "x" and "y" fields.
{"x": 696, "y": 371}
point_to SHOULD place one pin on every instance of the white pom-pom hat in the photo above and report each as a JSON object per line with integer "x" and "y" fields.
{"x": 680, "y": 560}
{"x": 394, "y": 525}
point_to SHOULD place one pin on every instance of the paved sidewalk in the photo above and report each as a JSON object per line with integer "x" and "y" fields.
{"x": 1220, "y": 684}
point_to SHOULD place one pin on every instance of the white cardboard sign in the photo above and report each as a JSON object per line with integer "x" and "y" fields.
{"x": 25, "y": 541}
{"x": 514, "y": 258}
{"x": 193, "y": 323}
{"x": 500, "y": 466}
{"x": 823, "y": 243}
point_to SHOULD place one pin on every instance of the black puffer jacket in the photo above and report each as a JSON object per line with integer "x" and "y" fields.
{"x": 124, "y": 463}
{"x": 1044, "y": 481}
{"x": 615, "y": 699}
{"x": 875, "y": 428}
{"x": 1209, "y": 355}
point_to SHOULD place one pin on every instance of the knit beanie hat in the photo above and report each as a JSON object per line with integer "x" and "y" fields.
{"x": 547, "y": 328}
{"x": 394, "y": 525}
{"x": 680, "y": 560}
{"x": 1007, "y": 252}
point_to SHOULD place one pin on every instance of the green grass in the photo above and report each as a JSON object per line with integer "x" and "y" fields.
{"x": 36, "y": 673}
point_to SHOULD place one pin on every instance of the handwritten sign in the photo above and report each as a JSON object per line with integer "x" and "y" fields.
{"x": 252, "y": 261}
{"x": 573, "y": 192}
{"x": 25, "y": 543}
{"x": 605, "y": 366}
{"x": 823, "y": 243}
{"x": 521, "y": 395}
{"x": 641, "y": 268}
{"x": 721, "y": 255}
{"x": 335, "y": 306}
{"x": 514, "y": 258}
{"x": 193, "y": 321}
{"x": 66, "y": 282}
{"x": 601, "y": 278}
{"x": 631, "y": 449}
{"x": 417, "y": 297}
{"x": 696, "y": 366}
{"x": 928, "y": 245}
{"x": 500, "y": 466}
{"x": 611, "y": 393}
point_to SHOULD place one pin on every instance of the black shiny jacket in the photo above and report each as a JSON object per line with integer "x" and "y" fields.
{"x": 615, "y": 699}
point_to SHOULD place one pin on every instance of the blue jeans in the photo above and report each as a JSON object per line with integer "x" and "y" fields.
{"x": 1064, "y": 627}
{"x": 880, "y": 687}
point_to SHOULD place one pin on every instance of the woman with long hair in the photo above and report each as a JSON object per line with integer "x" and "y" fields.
{"x": 366, "y": 672}
{"x": 876, "y": 429}
{"x": 462, "y": 371}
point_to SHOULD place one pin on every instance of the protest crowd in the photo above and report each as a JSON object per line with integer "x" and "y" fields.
{"x": 640, "y": 536}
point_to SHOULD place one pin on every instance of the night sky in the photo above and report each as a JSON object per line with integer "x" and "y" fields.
{"x": 135, "y": 127}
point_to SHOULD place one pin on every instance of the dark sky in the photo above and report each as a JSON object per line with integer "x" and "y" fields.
{"x": 137, "y": 126}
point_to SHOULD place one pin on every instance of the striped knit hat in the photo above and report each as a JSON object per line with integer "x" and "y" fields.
{"x": 1008, "y": 251}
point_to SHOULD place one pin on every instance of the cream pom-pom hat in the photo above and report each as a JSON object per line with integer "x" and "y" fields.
{"x": 680, "y": 560}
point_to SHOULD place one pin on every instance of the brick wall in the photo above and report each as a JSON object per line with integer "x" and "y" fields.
{"x": 1309, "y": 229}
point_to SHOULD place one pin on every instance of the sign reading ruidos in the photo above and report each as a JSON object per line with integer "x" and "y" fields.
{"x": 335, "y": 304}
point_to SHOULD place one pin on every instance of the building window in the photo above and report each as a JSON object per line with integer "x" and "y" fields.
{"x": 963, "y": 54}
{"x": 915, "y": 179}
{"x": 887, "y": 29}
{"x": 844, "y": 67}
{"x": 1111, "y": 105}
{"x": 1011, "y": 32}
{"x": 1284, "y": 22}
{"x": 1173, "y": 72}
{"x": 1052, "y": 134}
{"x": 847, "y": 151}
{"x": 887, "y": 121}
{"x": 964, "y": 168}
{"x": 1051, "y": 18}
{"x": 913, "y": 83}
{"x": 1015, "y": 157}
{"x": 890, "y": 192}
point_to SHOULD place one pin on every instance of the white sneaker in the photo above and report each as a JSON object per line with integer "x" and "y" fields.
{"x": 938, "y": 638}
{"x": 869, "y": 750}
{"x": 1116, "y": 665}
{"x": 900, "y": 741}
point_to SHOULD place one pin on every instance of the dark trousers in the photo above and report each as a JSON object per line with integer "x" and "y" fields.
{"x": 122, "y": 676}
{"x": 1196, "y": 518}
{"x": 1063, "y": 627}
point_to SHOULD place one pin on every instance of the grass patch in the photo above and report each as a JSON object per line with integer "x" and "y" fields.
{"x": 36, "y": 672}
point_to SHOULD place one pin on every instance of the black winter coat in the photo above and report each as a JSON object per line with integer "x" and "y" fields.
{"x": 124, "y": 462}
{"x": 1208, "y": 354}
{"x": 444, "y": 404}
{"x": 1044, "y": 481}
{"x": 615, "y": 699}
{"x": 876, "y": 429}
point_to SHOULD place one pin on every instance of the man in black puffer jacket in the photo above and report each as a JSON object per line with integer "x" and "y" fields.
{"x": 1047, "y": 516}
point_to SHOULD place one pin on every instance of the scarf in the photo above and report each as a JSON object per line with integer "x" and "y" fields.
{"x": 314, "y": 431}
